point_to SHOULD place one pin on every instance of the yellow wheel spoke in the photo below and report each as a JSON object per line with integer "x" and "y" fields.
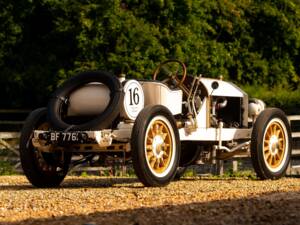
{"x": 280, "y": 146}
{"x": 162, "y": 163}
{"x": 150, "y": 155}
{"x": 152, "y": 132}
{"x": 267, "y": 155}
{"x": 156, "y": 128}
{"x": 270, "y": 159}
{"x": 153, "y": 159}
{"x": 156, "y": 165}
{"x": 165, "y": 155}
{"x": 161, "y": 129}
{"x": 277, "y": 157}
{"x": 278, "y": 132}
{"x": 275, "y": 129}
{"x": 269, "y": 133}
{"x": 152, "y": 162}
{"x": 164, "y": 136}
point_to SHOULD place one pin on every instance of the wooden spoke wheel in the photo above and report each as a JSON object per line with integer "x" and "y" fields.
{"x": 271, "y": 144}
{"x": 159, "y": 145}
{"x": 42, "y": 169}
{"x": 155, "y": 146}
{"x": 274, "y": 149}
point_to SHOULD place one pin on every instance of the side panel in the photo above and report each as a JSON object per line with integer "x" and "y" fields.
{"x": 213, "y": 134}
{"x": 225, "y": 89}
{"x": 228, "y": 89}
{"x": 203, "y": 114}
{"x": 159, "y": 94}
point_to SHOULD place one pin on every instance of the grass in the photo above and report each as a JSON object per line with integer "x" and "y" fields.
{"x": 6, "y": 168}
{"x": 248, "y": 174}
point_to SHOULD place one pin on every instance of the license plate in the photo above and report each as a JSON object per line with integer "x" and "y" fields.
{"x": 66, "y": 136}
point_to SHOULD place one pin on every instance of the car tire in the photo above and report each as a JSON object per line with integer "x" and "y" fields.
{"x": 58, "y": 101}
{"x": 271, "y": 144}
{"x": 180, "y": 172}
{"x": 155, "y": 146}
{"x": 190, "y": 152}
{"x": 41, "y": 169}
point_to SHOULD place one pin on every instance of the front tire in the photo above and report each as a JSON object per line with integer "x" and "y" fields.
{"x": 271, "y": 144}
{"x": 42, "y": 169}
{"x": 155, "y": 146}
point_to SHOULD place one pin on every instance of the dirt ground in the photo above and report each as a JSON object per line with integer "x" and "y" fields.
{"x": 95, "y": 201}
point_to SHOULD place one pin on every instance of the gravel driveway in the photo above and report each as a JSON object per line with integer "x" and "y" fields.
{"x": 95, "y": 200}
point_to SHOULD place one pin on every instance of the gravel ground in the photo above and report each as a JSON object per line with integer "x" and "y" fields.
{"x": 95, "y": 201}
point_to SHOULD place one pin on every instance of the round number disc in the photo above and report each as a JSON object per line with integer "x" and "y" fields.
{"x": 134, "y": 98}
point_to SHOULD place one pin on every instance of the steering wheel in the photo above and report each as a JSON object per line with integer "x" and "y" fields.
{"x": 172, "y": 69}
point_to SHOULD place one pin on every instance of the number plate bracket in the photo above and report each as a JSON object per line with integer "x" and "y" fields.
{"x": 63, "y": 137}
{"x": 103, "y": 138}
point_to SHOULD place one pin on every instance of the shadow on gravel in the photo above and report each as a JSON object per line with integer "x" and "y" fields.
{"x": 271, "y": 208}
{"x": 216, "y": 179}
{"x": 104, "y": 182}
{"x": 81, "y": 183}
{"x": 293, "y": 176}
{"x": 99, "y": 182}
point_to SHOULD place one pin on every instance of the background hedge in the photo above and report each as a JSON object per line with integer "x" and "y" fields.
{"x": 253, "y": 43}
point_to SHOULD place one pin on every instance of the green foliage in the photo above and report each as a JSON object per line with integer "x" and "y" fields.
{"x": 42, "y": 43}
{"x": 279, "y": 96}
{"x": 6, "y": 168}
{"x": 84, "y": 174}
{"x": 246, "y": 174}
{"x": 190, "y": 173}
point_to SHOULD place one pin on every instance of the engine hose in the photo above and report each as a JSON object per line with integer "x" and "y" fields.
{"x": 222, "y": 104}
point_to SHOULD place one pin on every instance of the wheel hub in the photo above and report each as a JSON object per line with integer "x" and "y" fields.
{"x": 274, "y": 145}
{"x": 157, "y": 146}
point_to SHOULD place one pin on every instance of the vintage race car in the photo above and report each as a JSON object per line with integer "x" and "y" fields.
{"x": 158, "y": 125}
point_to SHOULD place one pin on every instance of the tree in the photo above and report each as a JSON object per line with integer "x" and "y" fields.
{"x": 42, "y": 43}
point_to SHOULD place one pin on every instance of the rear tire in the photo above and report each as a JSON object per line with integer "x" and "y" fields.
{"x": 190, "y": 152}
{"x": 41, "y": 169}
{"x": 271, "y": 144}
{"x": 155, "y": 146}
{"x": 180, "y": 172}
